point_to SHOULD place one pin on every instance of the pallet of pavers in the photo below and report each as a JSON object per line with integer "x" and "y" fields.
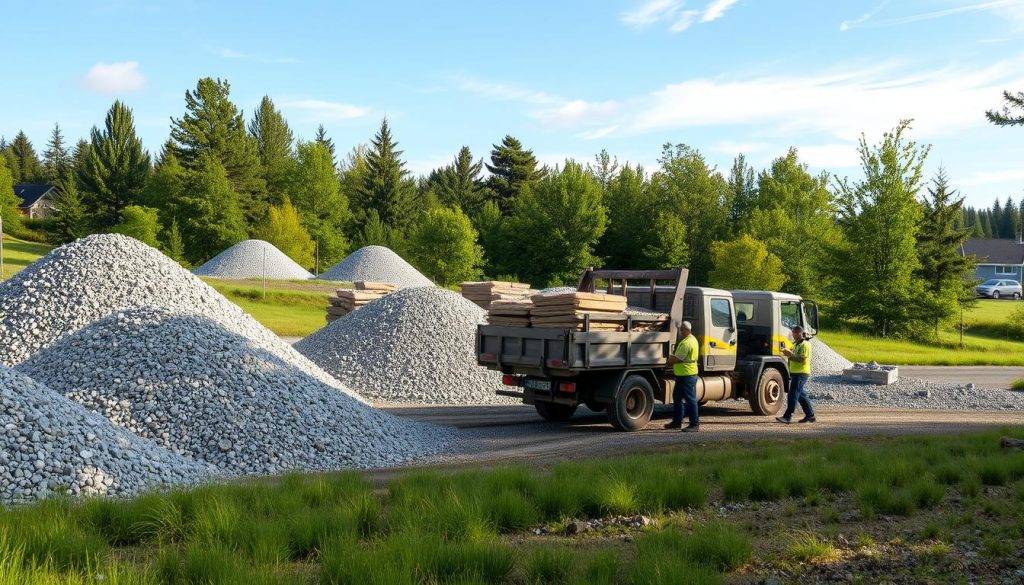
{"x": 511, "y": 313}
{"x": 348, "y": 300}
{"x": 573, "y": 311}
{"x": 485, "y": 293}
{"x": 871, "y": 373}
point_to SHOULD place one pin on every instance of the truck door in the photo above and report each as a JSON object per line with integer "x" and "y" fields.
{"x": 719, "y": 345}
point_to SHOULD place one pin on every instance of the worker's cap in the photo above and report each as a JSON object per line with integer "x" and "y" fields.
{"x": 686, "y": 325}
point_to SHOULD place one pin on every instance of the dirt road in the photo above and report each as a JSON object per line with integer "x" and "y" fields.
{"x": 984, "y": 376}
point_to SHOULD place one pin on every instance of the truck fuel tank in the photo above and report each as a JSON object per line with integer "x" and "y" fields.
{"x": 714, "y": 388}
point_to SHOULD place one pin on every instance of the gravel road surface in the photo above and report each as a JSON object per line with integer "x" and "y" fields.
{"x": 985, "y": 376}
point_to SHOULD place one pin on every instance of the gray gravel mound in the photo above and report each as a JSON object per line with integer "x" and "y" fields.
{"x": 248, "y": 259}
{"x": 825, "y": 360}
{"x": 96, "y": 276}
{"x": 212, "y": 395}
{"x": 51, "y": 445}
{"x": 412, "y": 346}
{"x": 376, "y": 264}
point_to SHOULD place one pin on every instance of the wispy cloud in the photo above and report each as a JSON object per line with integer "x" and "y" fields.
{"x": 114, "y": 78}
{"x": 325, "y": 111}
{"x": 551, "y": 110}
{"x": 853, "y": 23}
{"x": 233, "y": 54}
{"x": 993, "y": 177}
{"x": 672, "y": 12}
{"x": 1014, "y": 8}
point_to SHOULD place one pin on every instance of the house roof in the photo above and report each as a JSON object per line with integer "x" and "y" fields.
{"x": 995, "y": 251}
{"x": 30, "y": 194}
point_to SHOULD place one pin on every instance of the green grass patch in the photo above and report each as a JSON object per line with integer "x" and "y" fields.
{"x": 808, "y": 547}
{"x": 1017, "y": 385}
{"x": 287, "y": 312}
{"x": 19, "y": 253}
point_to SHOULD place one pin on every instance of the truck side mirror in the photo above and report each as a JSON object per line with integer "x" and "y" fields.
{"x": 813, "y": 316}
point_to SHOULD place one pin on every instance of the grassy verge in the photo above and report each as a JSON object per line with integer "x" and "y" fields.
{"x": 286, "y": 310}
{"x": 722, "y": 512}
{"x": 18, "y": 254}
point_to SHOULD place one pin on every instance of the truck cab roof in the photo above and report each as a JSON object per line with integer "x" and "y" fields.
{"x": 706, "y": 290}
{"x": 765, "y": 295}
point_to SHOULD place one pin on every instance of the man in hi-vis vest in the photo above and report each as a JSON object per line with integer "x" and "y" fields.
{"x": 684, "y": 366}
{"x": 799, "y": 372}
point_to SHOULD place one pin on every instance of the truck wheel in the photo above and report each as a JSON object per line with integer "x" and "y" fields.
{"x": 771, "y": 387}
{"x": 633, "y": 404}
{"x": 553, "y": 412}
{"x": 596, "y": 406}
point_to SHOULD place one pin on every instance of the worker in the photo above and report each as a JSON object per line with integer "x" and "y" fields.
{"x": 799, "y": 372}
{"x": 684, "y": 366}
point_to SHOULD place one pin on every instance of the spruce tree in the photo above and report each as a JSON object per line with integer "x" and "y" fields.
{"x": 1012, "y": 113}
{"x": 8, "y": 201}
{"x": 57, "y": 158}
{"x": 511, "y": 168}
{"x": 30, "y": 170}
{"x": 274, "y": 142}
{"x": 460, "y": 184}
{"x": 68, "y": 217}
{"x": 213, "y": 124}
{"x": 115, "y": 170}
{"x": 323, "y": 140}
{"x": 174, "y": 246}
{"x": 320, "y": 202}
{"x": 1010, "y": 220}
{"x": 387, "y": 187}
{"x": 631, "y": 210}
{"x": 996, "y": 220}
{"x": 213, "y": 219}
{"x": 10, "y": 160}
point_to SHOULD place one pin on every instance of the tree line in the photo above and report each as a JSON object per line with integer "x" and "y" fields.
{"x": 883, "y": 250}
{"x": 1002, "y": 220}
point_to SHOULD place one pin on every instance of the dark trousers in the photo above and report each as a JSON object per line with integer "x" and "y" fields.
{"x": 798, "y": 394}
{"x": 685, "y": 393}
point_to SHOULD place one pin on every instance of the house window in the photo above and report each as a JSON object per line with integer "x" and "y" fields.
{"x": 1006, "y": 269}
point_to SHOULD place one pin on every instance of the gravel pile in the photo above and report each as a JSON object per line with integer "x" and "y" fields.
{"x": 825, "y": 360}
{"x": 96, "y": 276}
{"x": 51, "y": 445}
{"x": 211, "y": 395}
{"x": 248, "y": 259}
{"x": 412, "y": 346}
{"x": 376, "y": 264}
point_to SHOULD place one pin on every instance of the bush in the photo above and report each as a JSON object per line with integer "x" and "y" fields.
{"x": 444, "y": 247}
{"x": 140, "y": 223}
{"x": 1017, "y": 385}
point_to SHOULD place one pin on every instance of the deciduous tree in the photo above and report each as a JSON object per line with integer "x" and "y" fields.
{"x": 283, "y": 229}
{"x": 141, "y": 223}
{"x": 745, "y": 264}
{"x": 444, "y": 246}
{"x": 212, "y": 218}
{"x": 321, "y": 204}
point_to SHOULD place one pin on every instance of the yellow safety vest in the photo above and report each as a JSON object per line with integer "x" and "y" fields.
{"x": 801, "y": 350}
{"x": 688, "y": 349}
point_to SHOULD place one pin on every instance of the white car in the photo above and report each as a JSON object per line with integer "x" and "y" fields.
{"x": 995, "y": 288}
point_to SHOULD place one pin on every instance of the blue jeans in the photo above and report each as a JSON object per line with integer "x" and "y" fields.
{"x": 798, "y": 394}
{"x": 685, "y": 392}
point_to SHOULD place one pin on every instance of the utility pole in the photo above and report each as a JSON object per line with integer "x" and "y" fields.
{"x": 1, "y": 248}
{"x": 264, "y": 274}
{"x": 316, "y": 265}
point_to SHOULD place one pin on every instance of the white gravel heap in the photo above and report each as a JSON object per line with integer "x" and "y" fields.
{"x": 825, "y": 360}
{"x": 209, "y": 394}
{"x": 51, "y": 445}
{"x": 376, "y": 264}
{"x": 412, "y": 346}
{"x": 96, "y": 276}
{"x": 248, "y": 259}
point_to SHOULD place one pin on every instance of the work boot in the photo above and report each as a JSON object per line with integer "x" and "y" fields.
{"x": 783, "y": 419}
{"x": 808, "y": 419}
{"x": 691, "y": 429}
{"x": 672, "y": 425}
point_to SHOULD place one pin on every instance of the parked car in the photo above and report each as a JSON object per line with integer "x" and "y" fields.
{"x": 995, "y": 288}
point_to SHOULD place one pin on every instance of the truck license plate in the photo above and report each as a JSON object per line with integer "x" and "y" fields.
{"x": 537, "y": 384}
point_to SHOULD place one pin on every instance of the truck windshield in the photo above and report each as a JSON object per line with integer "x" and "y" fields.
{"x": 790, "y": 313}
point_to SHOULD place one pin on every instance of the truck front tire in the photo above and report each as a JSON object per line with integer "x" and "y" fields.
{"x": 553, "y": 412}
{"x": 633, "y": 404}
{"x": 767, "y": 396}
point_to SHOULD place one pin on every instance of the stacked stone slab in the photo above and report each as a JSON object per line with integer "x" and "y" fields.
{"x": 253, "y": 259}
{"x": 347, "y": 300}
{"x": 376, "y": 264}
{"x": 575, "y": 310}
{"x": 486, "y": 292}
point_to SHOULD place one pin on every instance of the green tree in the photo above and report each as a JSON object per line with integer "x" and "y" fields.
{"x": 880, "y": 217}
{"x": 631, "y": 211}
{"x": 213, "y": 217}
{"x": 493, "y": 235}
{"x": 555, "y": 227}
{"x": 274, "y": 144}
{"x": 996, "y": 220}
{"x": 68, "y": 220}
{"x": 57, "y": 159}
{"x": 320, "y": 201}
{"x": 8, "y": 201}
{"x": 283, "y": 229}
{"x": 699, "y": 196}
{"x": 166, "y": 187}
{"x": 511, "y": 168}
{"x": 947, "y": 274}
{"x": 323, "y": 140}
{"x": 213, "y": 124}
{"x": 30, "y": 170}
{"x": 114, "y": 171}
{"x": 375, "y": 232}
{"x": 604, "y": 169}
{"x": 352, "y": 174}
{"x": 387, "y": 187}
{"x": 1010, "y": 220}
{"x": 1012, "y": 113}
{"x": 746, "y": 264}
{"x": 667, "y": 243}
{"x": 795, "y": 218}
{"x": 460, "y": 184}
{"x": 141, "y": 223}
{"x": 444, "y": 246}
{"x": 743, "y": 186}
{"x": 174, "y": 245}
{"x": 10, "y": 160}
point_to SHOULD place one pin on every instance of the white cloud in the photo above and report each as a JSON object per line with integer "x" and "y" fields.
{"x": 651, "y": 12}
{"x": 549, "y": 109}
{"x": 325, "y": 110}
{"x": 716, "y": 9}
{"x": 733, "y": 148}
{"x": 114, "y": 77}
{"x": 830, "y": 156}
{"x": 505, "y": 92}
{"x": 993, "y": 177}
{"x": 654, "y": 11}
{"x": 233, "y": 54}
{"x": 598, "y": 133}
{"x": 683, "y": 22}
{"x": 854, "y": 22}
{"x": 1011, "y": 8}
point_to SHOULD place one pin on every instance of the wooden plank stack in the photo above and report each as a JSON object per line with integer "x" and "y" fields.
{"x": 571, "y": 310}
{"x": 485, "y": 293}
{"x": 511, "y": 313}
{"x": 348, "y": 300}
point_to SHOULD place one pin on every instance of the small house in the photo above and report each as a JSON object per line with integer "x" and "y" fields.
{"x": 1002, "y": 259}
{"x": 36, "y": 200}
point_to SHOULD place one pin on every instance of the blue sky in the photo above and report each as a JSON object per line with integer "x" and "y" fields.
{"x": 566, "y": 77}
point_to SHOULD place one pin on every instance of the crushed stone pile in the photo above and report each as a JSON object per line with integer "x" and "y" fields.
{"x": 825, "y": 360}
{"x": 249, "y": 259}
{"x": 51, "y": 445}
{"x": 206, "y": 393}
{"x": 377, "y": 264}
{"x": 96, "y": 276}
{"x": 412, "y": 346}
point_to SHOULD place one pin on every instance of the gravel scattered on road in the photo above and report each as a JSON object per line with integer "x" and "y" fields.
{"x": 413, "y": 346}
{"x": 376, "y": 264}
{"x": 249, "y": 259}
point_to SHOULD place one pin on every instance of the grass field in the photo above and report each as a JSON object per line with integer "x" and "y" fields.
{"x": 18, "y": 254}
{"x": 919, "y": 509}
{"x": 288, "y": 309}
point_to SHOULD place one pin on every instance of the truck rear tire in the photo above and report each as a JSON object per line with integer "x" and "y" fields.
{"x": 553, "y": 412}
{"x": 633, "y": 404}
{"x": 767, "y": 397}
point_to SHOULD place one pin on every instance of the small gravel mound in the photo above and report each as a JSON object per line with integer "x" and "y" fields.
{"x": 557, "y": 290}
{"x": 376, "y": 264}
{"x": 825, "y": 360}
{"x": 209, "y": 394}
{"x": 51, "y": 445}
{"x": 248, "y": 259}
{"x": 412, "y": 346}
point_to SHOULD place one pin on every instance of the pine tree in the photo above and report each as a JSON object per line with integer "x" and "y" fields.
{"x": 631, "y": 209}
{"x": 996, "y": 220}
{"x": 1007, "y": 116}
{"x": 213, "y": 217}
{"x": 511, "y": 168}
{"x": 68, "y": 217}
{"x": 1011, "y": 220}
{"x": 57, "y": 158}
{"x": 115, "y": 170}
{"x": 320, "y": 202}
{"x": 10, "y": 160}
{"x": 8, "y": 201}
{"x": 352, "y": 174}
{"x": 460, "y": 184}
{"x": 743, "y": 185}
{"x": 986, "y": 224}
{"x": 323, "y": 140}
{"x": 213, "y": 124}
{"x": 174, "y": 246}
{"x": 30, "y": 170}
{"x": 387, "y": 187}
{"x": 274, "y": 143}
